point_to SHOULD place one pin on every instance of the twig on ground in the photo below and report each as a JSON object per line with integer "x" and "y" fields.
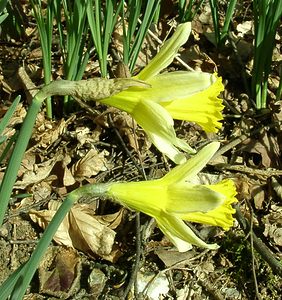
{"x": 215, "y": 294}
{"x": 111, "y": 123}
{"x": 87, "y": 107}
{"x": 23, "y": 242}
{"x": 242, "y": 138}
{"x": 135, "y": 268}
{"x": 132, "y": 279}
{"x": 25, "y": 209}
{"x": 14, "y": 249}
{"x": 269, "y": 172}
{"x": 260, "y": 247}
{"x": 251, "y": 233}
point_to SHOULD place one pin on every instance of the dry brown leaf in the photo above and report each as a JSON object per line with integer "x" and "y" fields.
{"x": 82, "y": 230}
{"x": 173, "y": 257}
{"x": 267, "y": 147}
{"x": 85, "y": 135}
{"x": 16, "y": 118}
{"x": 91, "y": 164}
{"x": 89, "y": 234}
{"x": 205, "y": 17}
{"x": 112, "y": 220}
{"x": 246, "y": 27}
{"x": 276, "y": 186}
{"x": 198, "y": 59}
{"x": 60, "y": 272}
{"x": 96, "y": 281}
{"x": 273, "y": 225}
{"x": 43, "y": 218}
{"x": 68, "y": 178}
{"x": 36, "y": 172}
{"x": 277, "y": 115}
{"x": 258, "y": 194}
{"x": 43, "y": 190}
{"x": 47, "y": 131}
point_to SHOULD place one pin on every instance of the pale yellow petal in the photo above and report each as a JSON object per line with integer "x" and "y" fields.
{"x": 155, "y": 120}
{"x": 174, "y": 86}
{"x": 158, "y": 124}
{"x": 167, "y": 52}
{"x": 180, "y": 234}
{"x": 184, "y": 198}
{"x": 166, "y": 146}
{"x": 165, "y": 87}
{"x": 193, "y": 166}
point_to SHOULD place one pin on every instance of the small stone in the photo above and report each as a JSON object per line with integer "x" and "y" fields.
{"x": 96, "y": 281}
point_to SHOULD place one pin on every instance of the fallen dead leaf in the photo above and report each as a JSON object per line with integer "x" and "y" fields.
{"x": 258, "y": 194}
{"x": 82, "y": 229}
{"x": 173, "y": 257}
{"x": 34, "y": 173}
{"x": 91, "y": 164}
{"x": 267, "y": 147}
{"x": 85, "y": 135}
{"x": 47, "y": 131}
{"x": 89, "y": 234}
{"x": 60, "y": 272}
{"x": 273, "y": 225}
{"x": 67, "y": 177}
{"x": 43, "y": 218}
{"x": 276, "y": 186}
{"x": 246, "y": 27}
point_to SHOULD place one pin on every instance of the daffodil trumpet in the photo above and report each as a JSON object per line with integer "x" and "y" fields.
{"x": 173, "y": 199}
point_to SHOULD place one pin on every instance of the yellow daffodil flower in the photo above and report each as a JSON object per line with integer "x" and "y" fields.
{"x": 172, "y": 199}
{"x": 190, "y": 96}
